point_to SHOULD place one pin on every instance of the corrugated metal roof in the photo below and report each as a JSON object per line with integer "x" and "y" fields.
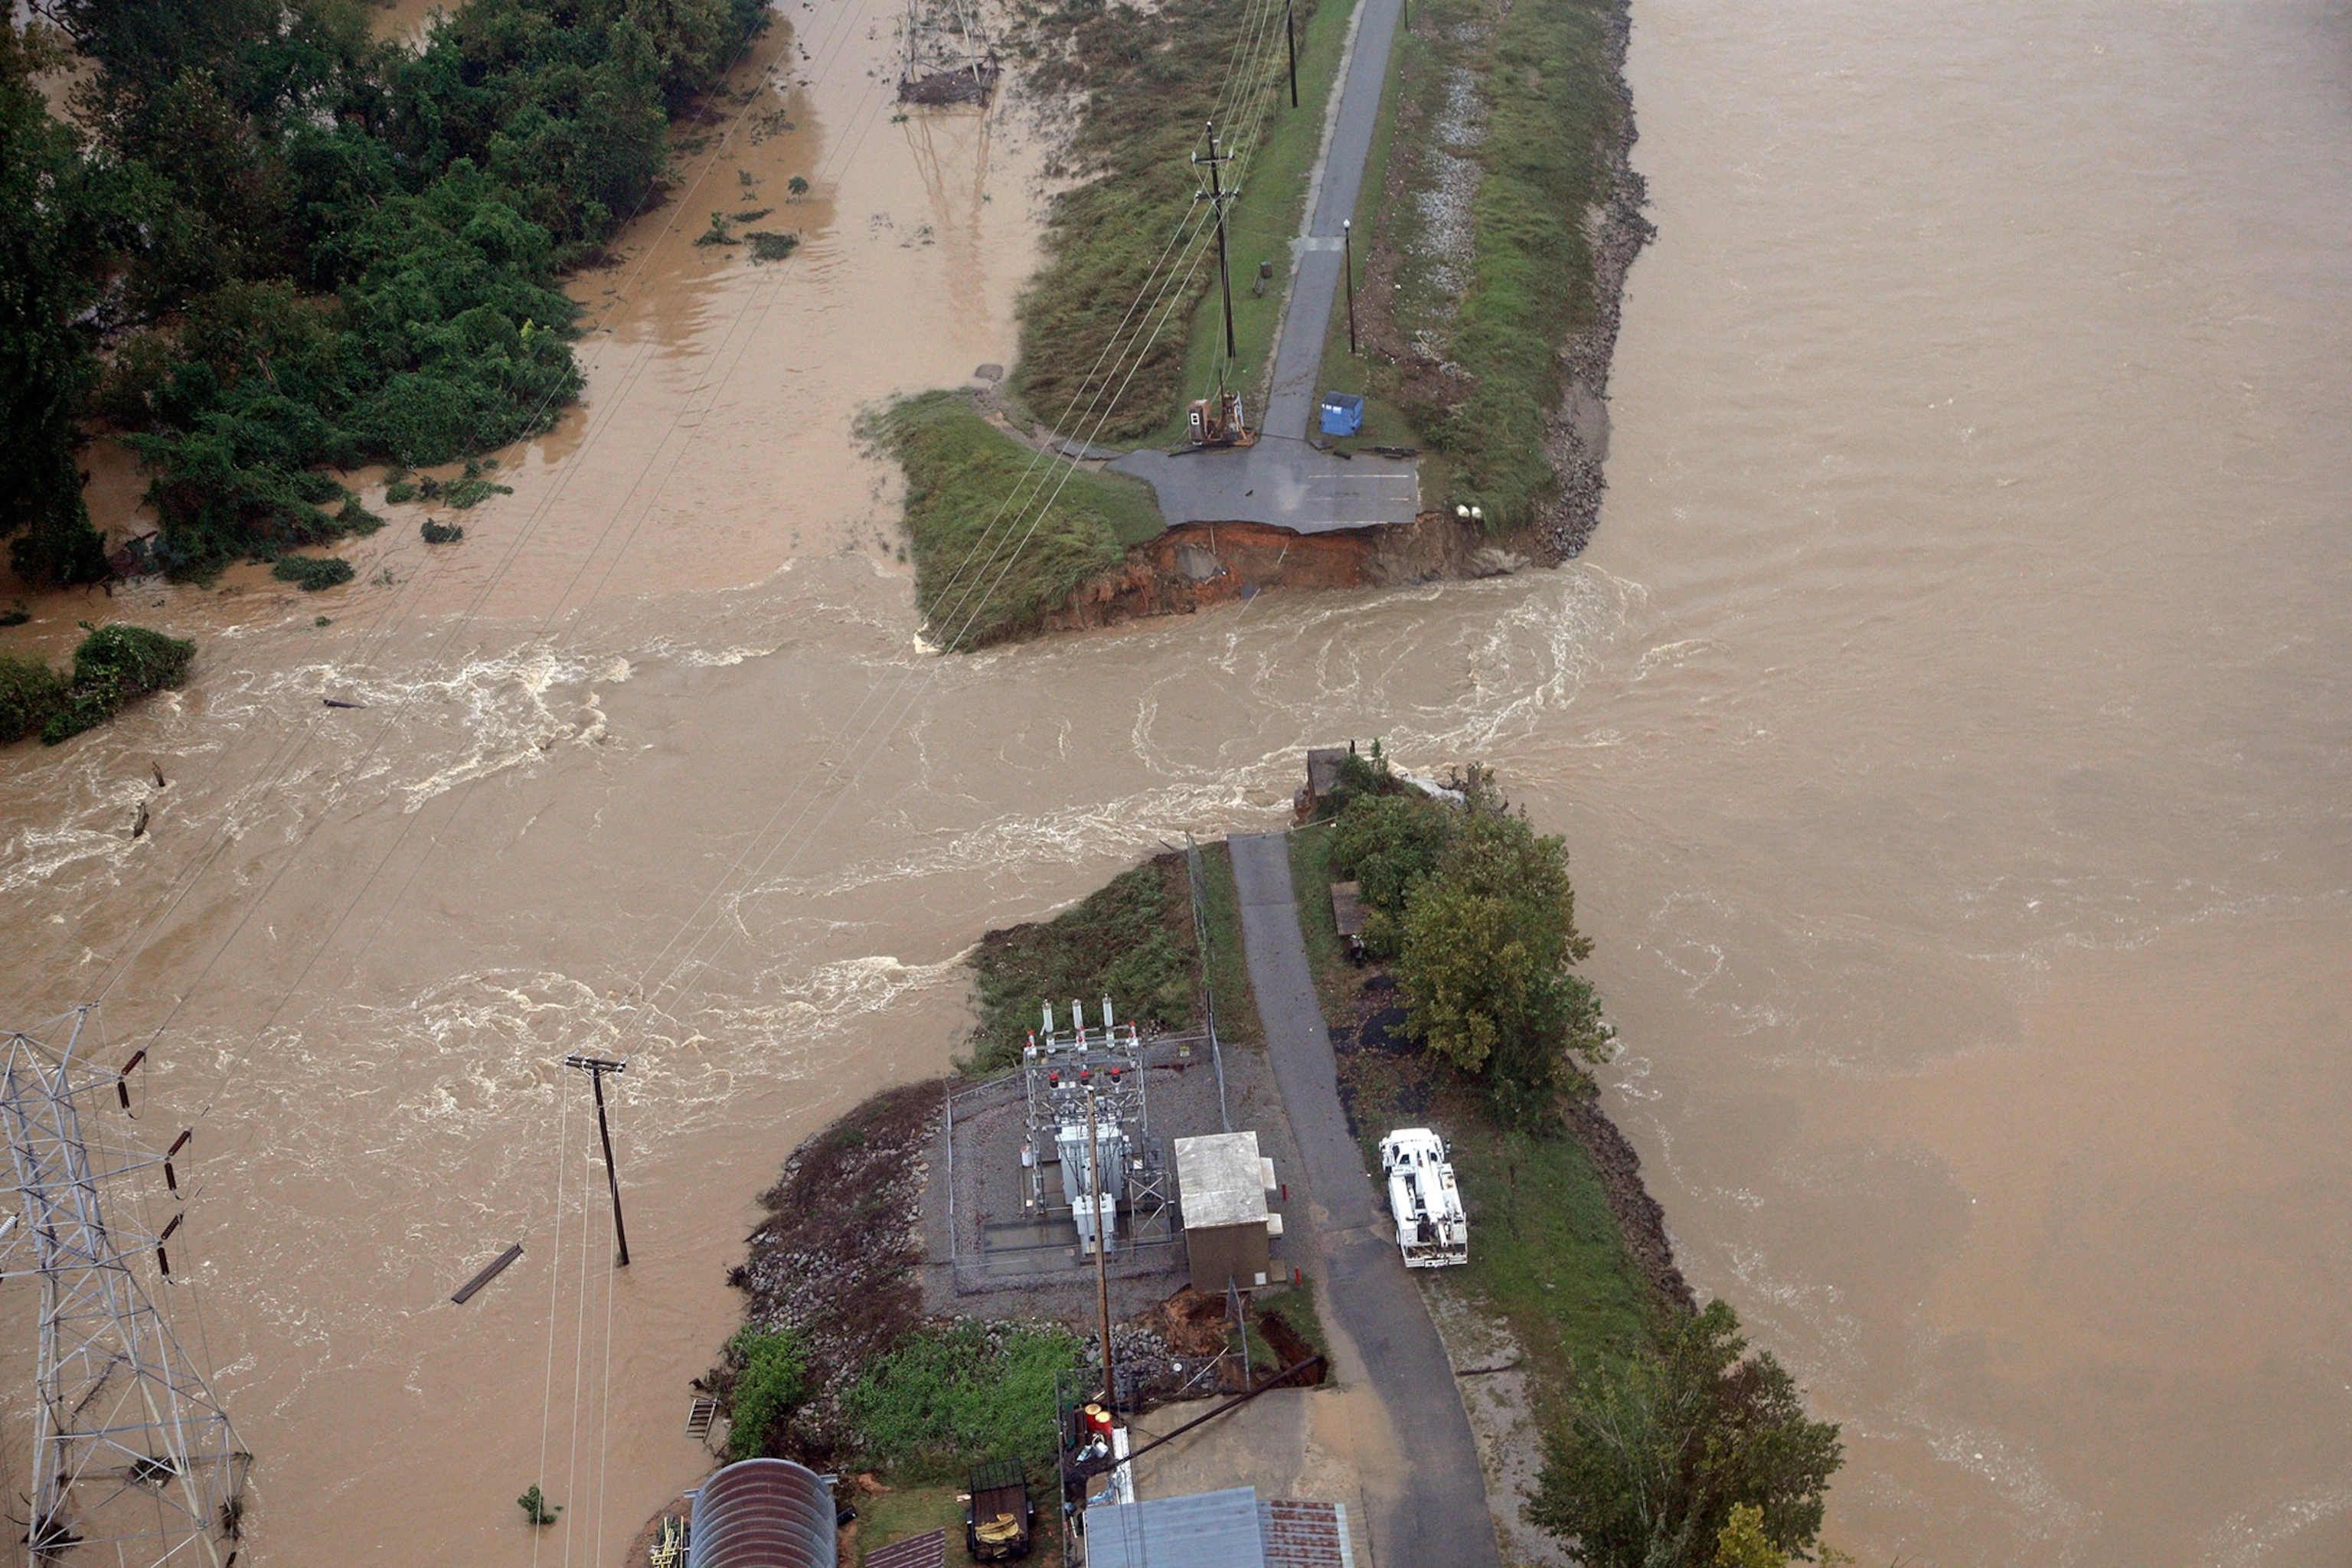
{"x": 1305, "y": 1534}
{"x": 922, "y": 1552}
{"x": 1219, "y": 1180}
{"x": 1210, "y": 1530}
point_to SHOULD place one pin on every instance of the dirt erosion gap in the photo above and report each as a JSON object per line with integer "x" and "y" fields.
{"x": 1196, "y": 564}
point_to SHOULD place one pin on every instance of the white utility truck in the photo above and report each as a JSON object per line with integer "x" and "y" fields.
{"x": 1431, "y": 1228}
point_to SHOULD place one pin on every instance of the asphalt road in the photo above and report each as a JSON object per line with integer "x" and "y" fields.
{"x": 1282, "y": 479}
{"x": 1439, "y": 1518}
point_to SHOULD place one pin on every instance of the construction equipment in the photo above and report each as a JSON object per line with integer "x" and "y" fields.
{"x": 1217, "y": 422}
{"x": 1431, "y": 1228}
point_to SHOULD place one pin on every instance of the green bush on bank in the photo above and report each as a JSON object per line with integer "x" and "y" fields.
{"x": 112, "y": 667}
{"x": 948, "y": 1397}
{"x": 1001, "y": 535}
{"x": 771, "y": 1368}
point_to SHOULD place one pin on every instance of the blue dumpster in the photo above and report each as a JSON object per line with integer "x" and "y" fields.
{"x": 1343, "y": 414}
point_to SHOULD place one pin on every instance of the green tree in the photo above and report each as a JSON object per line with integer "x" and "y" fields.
{"x": 1660, "y": 1449}
{"x": 48, "y": 279}
{"x": 1742, "y": 1543}
{"x": 1483, "y": 962}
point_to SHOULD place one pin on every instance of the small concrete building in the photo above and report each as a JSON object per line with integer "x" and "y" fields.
{"x": 1221, "y": 1185}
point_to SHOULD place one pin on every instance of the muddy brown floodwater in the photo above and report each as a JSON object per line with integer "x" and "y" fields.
{"x": 1950, "y": 722}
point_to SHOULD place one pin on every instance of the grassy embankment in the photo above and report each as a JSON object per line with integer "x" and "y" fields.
{"x": 1144, "y": 84}
{"x": 1546, "y": 1252}
{"x": 1462, "y": 339}
{"x": 1001, "y": 534}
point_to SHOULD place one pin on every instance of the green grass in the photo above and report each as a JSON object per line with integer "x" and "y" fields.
{"x": 1259, "y": 226}
{"x": 1296, "y": 1304}
{"x": 1553, "y": 104}
{"x": 1130, "y": 940}
{"x": 948, "y": 1397}
{"x": 1147, "y": 82}
{"x": 999, "y": 534}
{"x": 1237, "y": 1019}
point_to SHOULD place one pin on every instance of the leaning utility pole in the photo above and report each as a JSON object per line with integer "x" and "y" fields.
{"x": 1217, "y": 195}
{"x": 132, "y": 1455}
{"x": 596, "y": 1068}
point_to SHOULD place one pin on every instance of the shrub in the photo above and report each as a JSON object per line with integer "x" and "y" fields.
{"x": 313, "y": 572}
{"x": 767, "y": 244}
{"x": 442, "y": 532}
{"x": 113, "y": 665}
{"x": 770, "y": 1379}
{"x": 29, "y": 692}
{"x": 947, "y": 1397}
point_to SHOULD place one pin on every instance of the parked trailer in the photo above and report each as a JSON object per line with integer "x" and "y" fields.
{"x": 1431, "y": 1229}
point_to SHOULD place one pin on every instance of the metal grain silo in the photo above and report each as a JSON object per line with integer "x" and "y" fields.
{"x": 763, "y": 1513}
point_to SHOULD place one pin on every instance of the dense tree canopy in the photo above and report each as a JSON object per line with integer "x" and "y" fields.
{"x": 294, "y": 245}
{"x": 1662, "y": 1449}
{"x": 1475, "y": 909}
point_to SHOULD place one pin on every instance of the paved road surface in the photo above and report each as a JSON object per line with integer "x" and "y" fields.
{"x": 1282, "y": 479}
{"x": 1440, "y": 1518}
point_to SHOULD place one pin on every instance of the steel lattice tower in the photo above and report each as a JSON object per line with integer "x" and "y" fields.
{"x": 135, "y": 1462}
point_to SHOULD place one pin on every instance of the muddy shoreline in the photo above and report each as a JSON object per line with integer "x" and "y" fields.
{"x": 1577, "y": 441}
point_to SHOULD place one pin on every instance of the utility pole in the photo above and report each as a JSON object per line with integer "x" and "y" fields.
{"x": 1348, "y": 270}
{"x": 596, "y": 1068}
{"x": 1217, "y": 196}
{"x": 1290, "y": 38}
{"x": 1102, "y": 1268}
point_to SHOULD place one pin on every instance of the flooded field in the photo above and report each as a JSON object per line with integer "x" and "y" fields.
{"x": 1948, "y": 722}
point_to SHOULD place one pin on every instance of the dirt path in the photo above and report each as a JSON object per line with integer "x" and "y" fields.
{"x": 1436, "y": 1516}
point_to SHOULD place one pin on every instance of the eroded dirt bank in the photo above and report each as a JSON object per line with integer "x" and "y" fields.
{"x": 1196, "y": 564}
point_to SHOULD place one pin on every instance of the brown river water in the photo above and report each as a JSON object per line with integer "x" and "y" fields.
{"x": 1948, "y": 722}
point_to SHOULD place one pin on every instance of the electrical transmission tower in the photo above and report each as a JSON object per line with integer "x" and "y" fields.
{"x": 135, "y": 1462}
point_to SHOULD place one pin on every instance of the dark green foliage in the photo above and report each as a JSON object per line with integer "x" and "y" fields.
{"x": 771, "y": 1378}
{"x": 48, "y": 276}
{"x": 1660, "y": 1447}
{"x": 16, "y": 614}
{"x": 113, "y": 665}
{"x": 1148, "y": 80}
{"x": 950, "y": 1398}
{"x": 796, "y": 186}
{"x": 472, "y": 489}
{"x": 535, "y": 1507}
{"x": 340, "y": 250}
{"x": 1002, "y": 535}
{"x": 719, "y": 233}
{"x": 400, "y": 492}
{"x": 312, "y": 572}
{"x": 1130, "y": 940}
{"x": 442, "y": 532}
{"x": 767, "y": 244}
{"x": 1476, "y": 910}
{"x": 29, "y": 692}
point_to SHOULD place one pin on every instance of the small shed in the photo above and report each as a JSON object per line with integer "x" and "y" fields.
{"x": 1222, "y": 1182}
{"x": 1230, "y": 1529}
{"x": 1322, "y": 776}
